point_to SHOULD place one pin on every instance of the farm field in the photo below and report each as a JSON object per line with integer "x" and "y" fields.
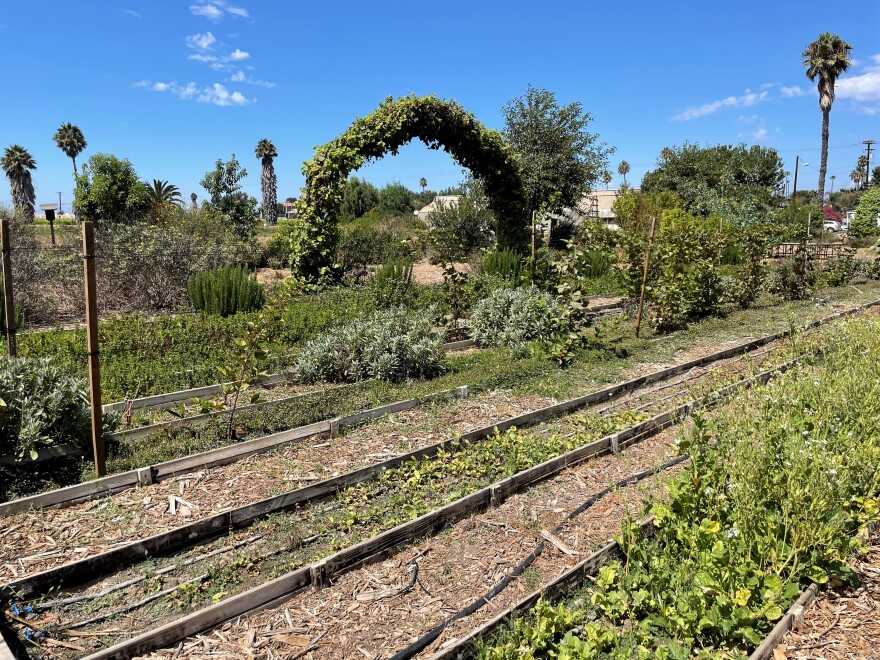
{"x": 253, "y": 549}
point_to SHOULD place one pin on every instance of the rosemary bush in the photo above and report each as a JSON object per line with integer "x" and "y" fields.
{"x": 225, "y": 291}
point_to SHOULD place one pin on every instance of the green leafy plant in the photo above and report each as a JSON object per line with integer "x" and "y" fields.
{"x": 793, "y": 279}
{"x": 42, "y": 407}
{"x": 504, "y": 264}
{"x": 840, "y": 270}
{"x": 391, "y": 344}
{"x": 395, "y": 123}
{"x": 748, "y": 254}
{"x": 508, "y": 317}
{"x": 225, "y": 291}
{"x": 392, "y": 284}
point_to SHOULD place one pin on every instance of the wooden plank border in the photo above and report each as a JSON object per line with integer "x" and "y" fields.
{"x": 322, "y": 572}
{"x": 225, "y": 455}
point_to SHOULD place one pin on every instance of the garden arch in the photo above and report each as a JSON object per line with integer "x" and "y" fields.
{"x": 437, "y": 123}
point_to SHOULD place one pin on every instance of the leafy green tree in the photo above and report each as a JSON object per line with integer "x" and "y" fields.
{"x": 740, "y": 183}
{"x": 163, "y": 193}
{"x": 867, "y": 215}
{"x": 235, "y": 208}
{"x": 875, "y": 176}
{"x": 623, "y": 170}
{"x": 109, "y": 191}
{"x": 825, "y": 59}
{"x": 846, "y": 199}
{"x": 267, "y": 153}
{"x": 860, "y": 171}
{"x": 360, "y": 196}
{"x": 17, "y": 164}
{"x": 560, "y": 158}
{"x": 396, "y": 199}
{"x": 71, "y": 141}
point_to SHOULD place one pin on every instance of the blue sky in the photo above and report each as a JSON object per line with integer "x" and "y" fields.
{"x": 175, "y": 85}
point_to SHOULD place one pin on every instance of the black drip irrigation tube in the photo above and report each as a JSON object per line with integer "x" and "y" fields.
{"x": 425, "y": 640}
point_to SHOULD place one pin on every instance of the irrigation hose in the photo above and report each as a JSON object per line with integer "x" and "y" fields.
{"x": 425, "y": 640}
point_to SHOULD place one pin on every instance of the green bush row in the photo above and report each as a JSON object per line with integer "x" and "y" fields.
{"x": 225, "y": 291}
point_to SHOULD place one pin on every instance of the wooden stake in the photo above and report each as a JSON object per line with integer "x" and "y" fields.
{"x": 7, "y": 288}
{"x": 534, "y": 230}
{"x": 92, "y": 342}
{"x": 645, "y": 274}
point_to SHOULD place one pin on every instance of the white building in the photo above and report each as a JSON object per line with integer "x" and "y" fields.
{"x": 444, "y": 201}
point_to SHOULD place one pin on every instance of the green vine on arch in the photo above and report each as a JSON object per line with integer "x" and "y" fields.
{"x": 437, "y": 123}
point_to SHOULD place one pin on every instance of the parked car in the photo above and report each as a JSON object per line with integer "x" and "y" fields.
{"x": 831, "y": 225}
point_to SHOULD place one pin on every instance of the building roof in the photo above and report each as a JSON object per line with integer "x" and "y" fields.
{"x": 438, "y": 202}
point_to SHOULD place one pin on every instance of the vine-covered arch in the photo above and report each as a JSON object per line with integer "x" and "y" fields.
{"x": 437, "y": 123}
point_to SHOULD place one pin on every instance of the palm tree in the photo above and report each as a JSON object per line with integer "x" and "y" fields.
{"x": 193, "y": 197}
{"x": 858, "y": 174}
{"x": 607, "y": 178}
{"x": 71, "y": 141}
{"x": 267, "y": 152}
{"x": 162, "y": 193}
{"x": 825, "y": 59}
{"x": 623, "y": 170}
{"x": 17, "y": 163}
{"x": 832, "y": 183}
{"x": 423, "y": 182}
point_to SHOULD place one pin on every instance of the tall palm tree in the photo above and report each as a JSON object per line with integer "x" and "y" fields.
{"x": 267, "y": 152}
{"x": 193, "y": 198}
{"x": 858, "y": 174}
{"x": 825, "y": 59}
{"x": 162, "y": 193}
{"x": 607, "y": 178}
{"x": 71, "y": 141}
{"x": 623, "y": 170}
{"x": 423, "y": 182}
{"x": 17, "y": 163}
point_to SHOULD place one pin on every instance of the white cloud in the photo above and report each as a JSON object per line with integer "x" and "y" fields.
{"x": 791, "y": 92}
{"x": 132, "y": 13}
{"x": 238, "y": 55}
{"x": 201, "y": 41}
{"x": 746, "y": 100}
{"x": 201, "y": 57}
{"x": 239, "y": 76}
{"x": 216, "y": 9}
{"x": 749, "y": 119}
{"x": 759, "y": 133}
{"x": 207, "y": 10}
{"x": 216, "y": 94}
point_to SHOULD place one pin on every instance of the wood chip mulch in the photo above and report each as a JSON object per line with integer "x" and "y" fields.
{"x": 842, "y": 624}
{"x": 369, "y": 613}
{"x": 39, "y": 540}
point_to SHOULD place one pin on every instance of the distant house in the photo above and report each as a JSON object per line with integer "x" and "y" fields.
{"x": 444, "y": 201}
{"x": 597, "y": 205}
{"x": 289, "y": 210}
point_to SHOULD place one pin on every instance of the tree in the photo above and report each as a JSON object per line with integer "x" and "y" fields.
{"x": 396, "y": 199}
{"x": 607, "y": 178}
{"x": 17, "y": 163}
{"x": 162, "y": 193}
{"x": 825, "y": 59}
{"x": 740, "y": 183}
{"x": 267, "y": 152}
{"x": 235, "y": 207}
{"x": 360, "y": 196}
{"x": 846, "y": 199}
{"x": 867, "y": 215}
{"x": 193, "y": 198}
{"x": 875, "y": 176}
{"x": 71, "y": 141}
{"x": 560, "y": 159}
{"x": 109, "y": 191}
{"x": 859, "y": 172}
{"x": 423, "y": 182}
{"x": 623, "y": 170}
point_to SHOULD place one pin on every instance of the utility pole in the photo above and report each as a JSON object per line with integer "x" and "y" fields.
{"x": 60, "y": 208}
{"x": 868, "y": 144}
{"x": 794, "y": 189}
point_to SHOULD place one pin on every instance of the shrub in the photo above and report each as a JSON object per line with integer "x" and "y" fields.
{"x": 512, "y": 316}
{"x": 747, "y": 251}
{"x": 17, "y": 312}
{"x": 225, "y": 291}
{"x": 458, "y": 230}
{"x": 276, "y": 253}
{"x": 392, "y": 285}
{"x": 42, "y": 407}
{"x": 867, "y": 215}
{"x": 562, "y": 232}
{"x": 793, "y": 279}
{"x": 504, "y": 264}
{"x": 374, "y": 239}
{"x": 839, "y": 271}
{"x": 389, "y": 345}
